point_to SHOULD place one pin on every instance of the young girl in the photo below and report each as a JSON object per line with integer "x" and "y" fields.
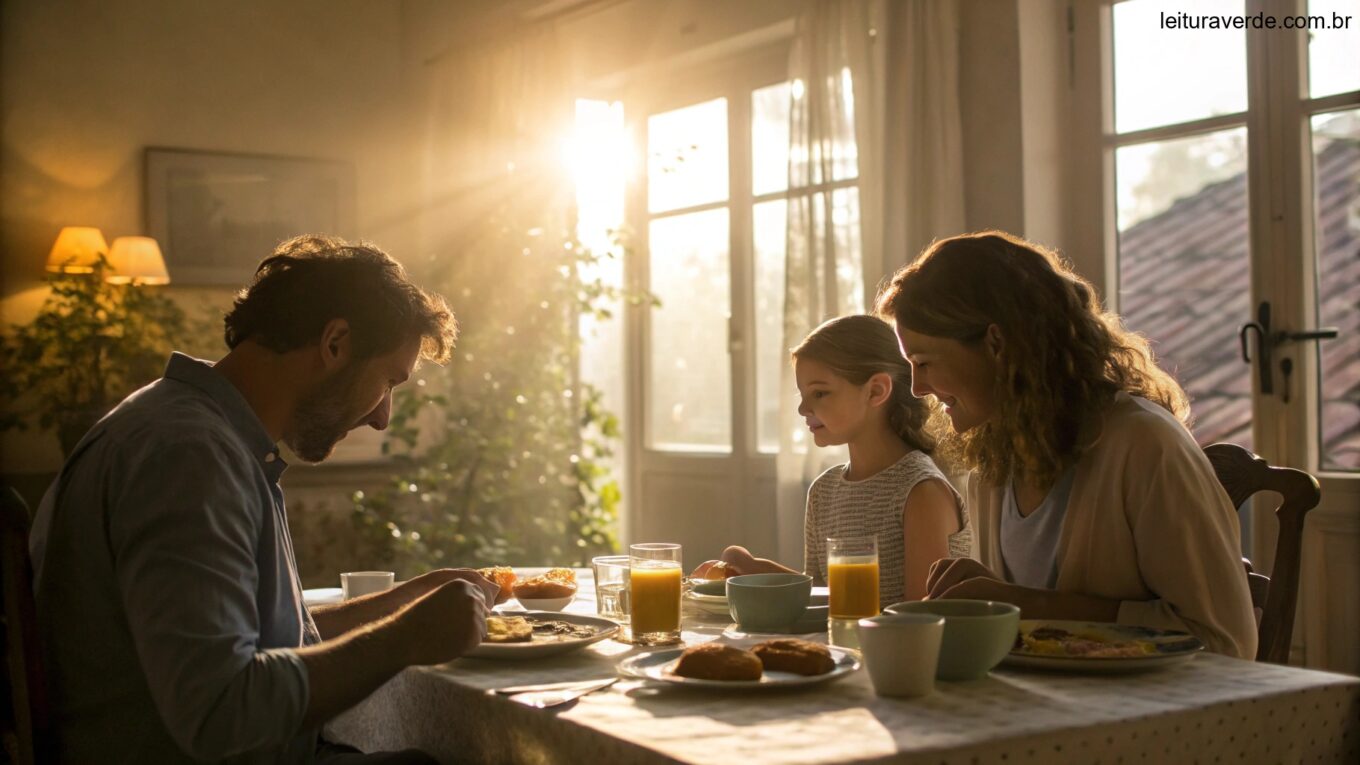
{"x": 856, "y": 390}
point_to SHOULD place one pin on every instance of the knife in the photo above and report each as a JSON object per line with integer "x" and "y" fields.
{"x": 562, "y": 686}
{"x": 545, "y": 699}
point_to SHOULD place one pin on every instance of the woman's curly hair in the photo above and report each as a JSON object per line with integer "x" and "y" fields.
{"x": 860, "y": 346}
{"x": 310, "y": 280}
{"x": 1063, "y": 357}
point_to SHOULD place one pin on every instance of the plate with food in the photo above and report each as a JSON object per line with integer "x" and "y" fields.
{"x": 781, "y": 663}
{"x": 534, "y": 634}
{"x": 552, "y": 590}
{"x": 1098, "y": 646}
{"x": 710, "y": 597}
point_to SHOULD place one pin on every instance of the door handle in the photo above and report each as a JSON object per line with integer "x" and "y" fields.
{"x": 1321, "y": 333}
{"x": 1267, "y": 342}
{"x": 1264, "y": 345}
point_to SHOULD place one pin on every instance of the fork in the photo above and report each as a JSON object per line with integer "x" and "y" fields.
{"x": 552, "y": 698}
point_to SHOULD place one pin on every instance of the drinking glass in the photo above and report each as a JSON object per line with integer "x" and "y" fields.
{"x": 611, "y": 586}
{"x": 852, "y": 577}
{"x": 654, "y": 577}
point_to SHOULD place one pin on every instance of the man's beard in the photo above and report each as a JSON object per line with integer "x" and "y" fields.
{"x": 322, "y": 417}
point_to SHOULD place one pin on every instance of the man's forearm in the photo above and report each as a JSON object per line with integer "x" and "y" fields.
{"x": 332, "y": 621}
{"x": 343, "y": 671}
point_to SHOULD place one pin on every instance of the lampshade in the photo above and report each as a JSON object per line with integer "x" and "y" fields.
{"x": 136, "y": 259}
{"x": 77, "y": 250}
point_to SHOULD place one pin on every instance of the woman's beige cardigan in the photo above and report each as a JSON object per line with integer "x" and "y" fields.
{"x": 1149, "y": 525}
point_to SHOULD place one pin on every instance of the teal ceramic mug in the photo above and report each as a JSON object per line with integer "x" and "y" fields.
{"x": 977, "y": 634}
{"x": 767, "y": 602}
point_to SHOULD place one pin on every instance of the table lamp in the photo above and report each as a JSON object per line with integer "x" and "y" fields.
{"x": 136, "y": 260}
{"x": 76, "y": 250}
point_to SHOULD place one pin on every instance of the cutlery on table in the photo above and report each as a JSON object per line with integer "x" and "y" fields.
{"x": 542, "y": 698}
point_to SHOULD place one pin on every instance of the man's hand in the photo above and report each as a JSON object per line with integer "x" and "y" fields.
{"x": 445, "y": 624}
{"x": 948, "y": 572}
{"x": 436, "y": 627}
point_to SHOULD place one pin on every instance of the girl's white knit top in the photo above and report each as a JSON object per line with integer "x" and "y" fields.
{"x": 875, "y": 506}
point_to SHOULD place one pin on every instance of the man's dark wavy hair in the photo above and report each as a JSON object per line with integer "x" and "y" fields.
{"x": 310, "y": 280}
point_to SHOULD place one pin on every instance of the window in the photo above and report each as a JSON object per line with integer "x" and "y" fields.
{"x": 1186, "y": 219}
{"x": 716, "y": 215}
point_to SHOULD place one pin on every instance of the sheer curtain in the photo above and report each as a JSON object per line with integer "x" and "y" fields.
{"x": 874, "y": 98}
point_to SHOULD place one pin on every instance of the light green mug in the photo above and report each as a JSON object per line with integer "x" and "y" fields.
{"x": 977, "y": 634}
{"x": 767, "y": 602}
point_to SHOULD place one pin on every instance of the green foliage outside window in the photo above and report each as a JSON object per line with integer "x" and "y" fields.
{"x": 502, "y": 457}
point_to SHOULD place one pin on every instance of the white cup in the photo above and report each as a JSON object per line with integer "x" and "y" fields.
{"x": 356, "y": 583}
{"x": 901, "y": 652}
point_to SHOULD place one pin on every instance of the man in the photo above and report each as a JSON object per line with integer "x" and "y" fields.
{"x": 168, "y": 599}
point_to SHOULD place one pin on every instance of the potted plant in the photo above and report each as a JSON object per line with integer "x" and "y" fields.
{"x": 91, "y": 344}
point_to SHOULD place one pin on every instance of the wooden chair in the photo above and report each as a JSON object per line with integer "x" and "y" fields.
{"x": 1242, "y": 475}
{"x": 25, "y": 735}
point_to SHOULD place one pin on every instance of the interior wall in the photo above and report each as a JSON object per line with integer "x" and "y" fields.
{"x": 990, "y": 110}
{"x": 88, "y": 85}
{"x": 1027, "y": 110}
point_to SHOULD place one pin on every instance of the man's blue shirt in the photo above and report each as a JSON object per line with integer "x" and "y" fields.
{"x": 168, "y": 597}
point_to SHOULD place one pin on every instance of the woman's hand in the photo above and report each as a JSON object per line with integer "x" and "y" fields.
{"x": 967, "y": 579}
{"x": 948, "y": 572}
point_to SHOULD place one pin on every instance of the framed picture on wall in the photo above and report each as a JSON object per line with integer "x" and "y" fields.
{"x": 218, "y": 215}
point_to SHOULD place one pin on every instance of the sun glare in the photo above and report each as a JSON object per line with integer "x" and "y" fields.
{"x": 599, "y": 154}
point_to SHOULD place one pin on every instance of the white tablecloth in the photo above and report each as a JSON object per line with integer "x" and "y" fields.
{"x": 1212, "y": 709}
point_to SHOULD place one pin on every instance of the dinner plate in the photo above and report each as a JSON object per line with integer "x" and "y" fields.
{"x": 1165, "y": 647}
{"x": 542, "y": 645}
{"x": 712, "y": 604}
{"x": 658, "y": 665}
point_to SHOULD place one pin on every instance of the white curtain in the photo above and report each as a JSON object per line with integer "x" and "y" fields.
{"x": 875, "y": 97}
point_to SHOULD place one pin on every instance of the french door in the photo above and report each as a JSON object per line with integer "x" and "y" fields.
{"x": 1232, "y": 160}
{"x": 707, "y": 217}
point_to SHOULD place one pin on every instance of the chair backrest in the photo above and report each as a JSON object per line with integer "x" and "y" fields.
{"x": 28, "y": 689}
{"x": 1242, "y": 475}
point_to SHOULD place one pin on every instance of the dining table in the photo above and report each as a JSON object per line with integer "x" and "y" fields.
{"x": 1211, "y": 708}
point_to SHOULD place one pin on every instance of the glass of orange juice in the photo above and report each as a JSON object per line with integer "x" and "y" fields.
{"x": 654, "y": 576}
{"x": 852, "y": 576}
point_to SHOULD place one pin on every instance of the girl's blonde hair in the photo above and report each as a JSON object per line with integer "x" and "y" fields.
{"x": 859, "y": 347}
{"x": 1063, "y": 357}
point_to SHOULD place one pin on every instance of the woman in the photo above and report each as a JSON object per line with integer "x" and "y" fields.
{"x": 1091, "y": 498}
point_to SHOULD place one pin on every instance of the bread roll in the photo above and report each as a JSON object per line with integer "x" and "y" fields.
{"x": 800, "y": 657}
{"x": 715, "y": 661}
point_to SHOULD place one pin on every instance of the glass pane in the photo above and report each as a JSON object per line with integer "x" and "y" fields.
{"x": 687, "y": 156}
{"x": 769, "y": 220}
{"x": 599, "y": 156}
{"x": 770, "y": 139}
{"x": 1184, "y": 270}
{"x": 1333, "y": 47}
{"x": 850, "y": 262}
{"x": 689, "y": 401}
{"x": 1336, "y": 174}
{"x": 828, "y": 151}
{"x": 1163, "y": 76}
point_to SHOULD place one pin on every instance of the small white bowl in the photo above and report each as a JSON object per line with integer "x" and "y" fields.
{"x": 546, "y": 604}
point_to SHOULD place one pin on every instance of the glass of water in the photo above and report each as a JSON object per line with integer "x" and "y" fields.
{"x": 611, "y": 586}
